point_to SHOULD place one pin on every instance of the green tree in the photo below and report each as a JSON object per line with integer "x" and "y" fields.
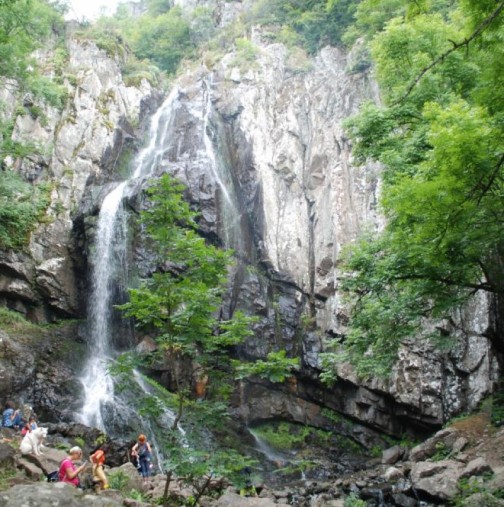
{"x": 179, "y": 301}
{"x": 316, "y": 22}
{"x": 24, "y": 26}
{"x": 440, "y": 139}
{"x": 178, "y": 305}
{"x": 164, "y": 39}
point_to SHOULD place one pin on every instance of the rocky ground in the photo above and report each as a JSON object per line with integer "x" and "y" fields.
{"x": 461, "y": 465}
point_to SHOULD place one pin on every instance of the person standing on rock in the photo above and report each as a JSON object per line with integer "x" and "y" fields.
{"x": 68, "y": 471}
{"x": 99, "y": 477}
{"x": 143, "y": 453}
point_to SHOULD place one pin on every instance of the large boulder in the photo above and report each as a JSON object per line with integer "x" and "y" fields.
{"x": 443, "y": 441}
{"x": 129, "y": 472}
{"x": 46, "y": 494}
{"x": 436, "y": 480}
{"x": 48, "y": 461}
{"x": 7, "y": 453}
{"x": 439, "y": 480}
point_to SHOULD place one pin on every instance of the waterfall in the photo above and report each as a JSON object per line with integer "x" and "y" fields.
{"x": 101, "y": 406}
{"x": 105, "y": 406}
{"x": 228, "y": 209}
{"x": 97, "y": 383}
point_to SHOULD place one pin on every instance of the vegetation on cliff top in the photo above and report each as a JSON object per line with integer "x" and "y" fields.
{"x": 165, "y": 35}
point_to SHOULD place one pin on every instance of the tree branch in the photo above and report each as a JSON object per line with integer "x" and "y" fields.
{"x": 456, "y": 45}
{"x": 493, "y": 177}
{"x": 488, "y": 287}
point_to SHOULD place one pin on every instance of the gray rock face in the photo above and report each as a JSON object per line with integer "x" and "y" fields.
{"x": 264, "y": 154}
{"x": 16, "y": 365}
{"x": 438, "y": 480}
{"x": 81, "y": 143}
{"x": 51, "y": 494}
{"x": 262, "y": 149}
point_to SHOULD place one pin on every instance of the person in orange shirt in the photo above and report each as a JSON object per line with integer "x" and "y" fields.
{"x": 99, "y": 477}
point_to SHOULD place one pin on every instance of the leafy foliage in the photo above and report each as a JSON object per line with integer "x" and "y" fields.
{"x": 180, "y": 299}
{"x": 21, "y": 207}
{"x": 311, "y": 24}
{"x": 276, "y": 368}
{"x": 24, "y": 26}
{"x": 353, "y": 500}
{"x": 165, "y": 39}
{"x": 161, "y": 37}
{"x": 439, "y": 138}
{"x": 284, "y": 436}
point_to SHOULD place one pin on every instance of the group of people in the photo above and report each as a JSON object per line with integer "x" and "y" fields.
{"x": 72, "y": 466}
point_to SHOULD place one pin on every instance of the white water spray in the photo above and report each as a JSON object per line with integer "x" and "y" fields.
{"x": 108, "y": 261}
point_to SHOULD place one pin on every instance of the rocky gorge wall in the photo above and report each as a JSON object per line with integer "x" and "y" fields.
{"x": 261, "y": 146}
{"x": 80, "y": 145}
{"x": 279, "y": 149}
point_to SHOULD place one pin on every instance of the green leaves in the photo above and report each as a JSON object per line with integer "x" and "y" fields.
{"x": 441, "y": 141}
{"x": 179, "y": 301}
{"x": 276, "y": 368}
{"x": 164, "y": 39}
{"x": 21, "y": 207}
{"x": 316, "y": 22}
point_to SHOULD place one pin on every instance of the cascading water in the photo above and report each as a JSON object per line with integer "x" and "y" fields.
{"x": 102, "y": 408}
{"x": 97, "y": 383}
{"x": 229, "y": 209}
{"x": 113, "y": 410}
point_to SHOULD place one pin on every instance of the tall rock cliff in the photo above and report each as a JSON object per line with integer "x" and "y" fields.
{"x": 80, "y": 144}
{"x": 261, "y": 146}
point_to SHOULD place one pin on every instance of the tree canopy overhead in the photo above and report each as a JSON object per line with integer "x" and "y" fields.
{"x": 439, "y": 135}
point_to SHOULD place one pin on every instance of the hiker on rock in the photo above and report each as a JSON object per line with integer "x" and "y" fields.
{"x": 68, "y": 471}
{"x": 143, "y": 453}
{"x": 99, "y": 477}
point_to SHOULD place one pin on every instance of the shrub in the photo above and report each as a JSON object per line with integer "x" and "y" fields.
{"x": 22, "y": 206}
{"x": 353, "y": 500}
{"x": 118, "y": 480}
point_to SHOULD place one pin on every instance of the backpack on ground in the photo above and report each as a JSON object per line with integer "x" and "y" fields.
{"x": 53, "y": 476}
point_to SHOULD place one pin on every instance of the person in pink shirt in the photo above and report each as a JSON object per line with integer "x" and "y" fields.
{"x": 68, "y": 471}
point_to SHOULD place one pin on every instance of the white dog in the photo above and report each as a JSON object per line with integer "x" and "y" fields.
{"x": 32, "y": 441}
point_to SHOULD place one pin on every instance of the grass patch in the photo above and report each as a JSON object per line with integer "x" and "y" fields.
{"x": 5, "y": 476}
{"x": 283, "y": 436}
{"x": 118, "y": 480}
{"x": 11, "y": 321}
